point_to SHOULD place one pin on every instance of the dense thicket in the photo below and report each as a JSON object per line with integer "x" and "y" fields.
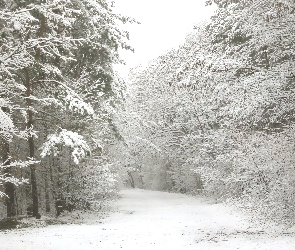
{"x": 57, "y": 86}
{"x": 218, "y": 113}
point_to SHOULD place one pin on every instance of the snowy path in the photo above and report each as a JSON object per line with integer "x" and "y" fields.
{"x": 154, "y": 220}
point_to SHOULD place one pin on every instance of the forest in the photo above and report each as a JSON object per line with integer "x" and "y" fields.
{"x": 214, "y": 117}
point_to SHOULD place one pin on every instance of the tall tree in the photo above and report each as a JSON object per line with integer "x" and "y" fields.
{"x": 62, "y": 52}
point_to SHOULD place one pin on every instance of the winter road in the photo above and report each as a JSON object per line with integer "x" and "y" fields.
{"x": 151, "y": 220}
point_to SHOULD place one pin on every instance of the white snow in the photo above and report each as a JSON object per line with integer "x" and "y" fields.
{"x": 70, "y": 139}
{"x": 156, "y": 220}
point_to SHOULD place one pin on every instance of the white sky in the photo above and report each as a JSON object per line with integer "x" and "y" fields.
{"x": 164, "y": 25}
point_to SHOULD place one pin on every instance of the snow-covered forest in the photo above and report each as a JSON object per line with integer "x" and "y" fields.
{"x": 214, "y": 117}
{"x": 58, "y": 98}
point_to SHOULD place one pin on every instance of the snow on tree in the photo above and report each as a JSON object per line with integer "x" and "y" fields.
{"x": 70, "y": 139}
{"x": 221, "y": 108}
{"x": 56, "y": 58}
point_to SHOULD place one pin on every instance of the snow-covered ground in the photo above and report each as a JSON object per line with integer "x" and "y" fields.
{"x": 155, "y": 220}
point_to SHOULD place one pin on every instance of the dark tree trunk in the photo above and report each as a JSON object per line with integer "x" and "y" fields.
{"x": 8, "y": 186}
{"x": 34, "y": 190}
{"x": 47, "y": 196}
{"x": 131, "y": 180}
{"x": 29, "y": 86}
{"x": 31, "y": 145}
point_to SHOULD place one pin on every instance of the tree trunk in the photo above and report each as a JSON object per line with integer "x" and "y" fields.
{"x": 131, "y": 179}
{"x": 8, "y": 186}
{"x": 34, "y": 190}
{"x": 31, "y": 144}
{"x": 47, "y": 195}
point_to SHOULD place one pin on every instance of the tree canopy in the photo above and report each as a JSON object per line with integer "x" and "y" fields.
{"x": 217, "y": 114}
